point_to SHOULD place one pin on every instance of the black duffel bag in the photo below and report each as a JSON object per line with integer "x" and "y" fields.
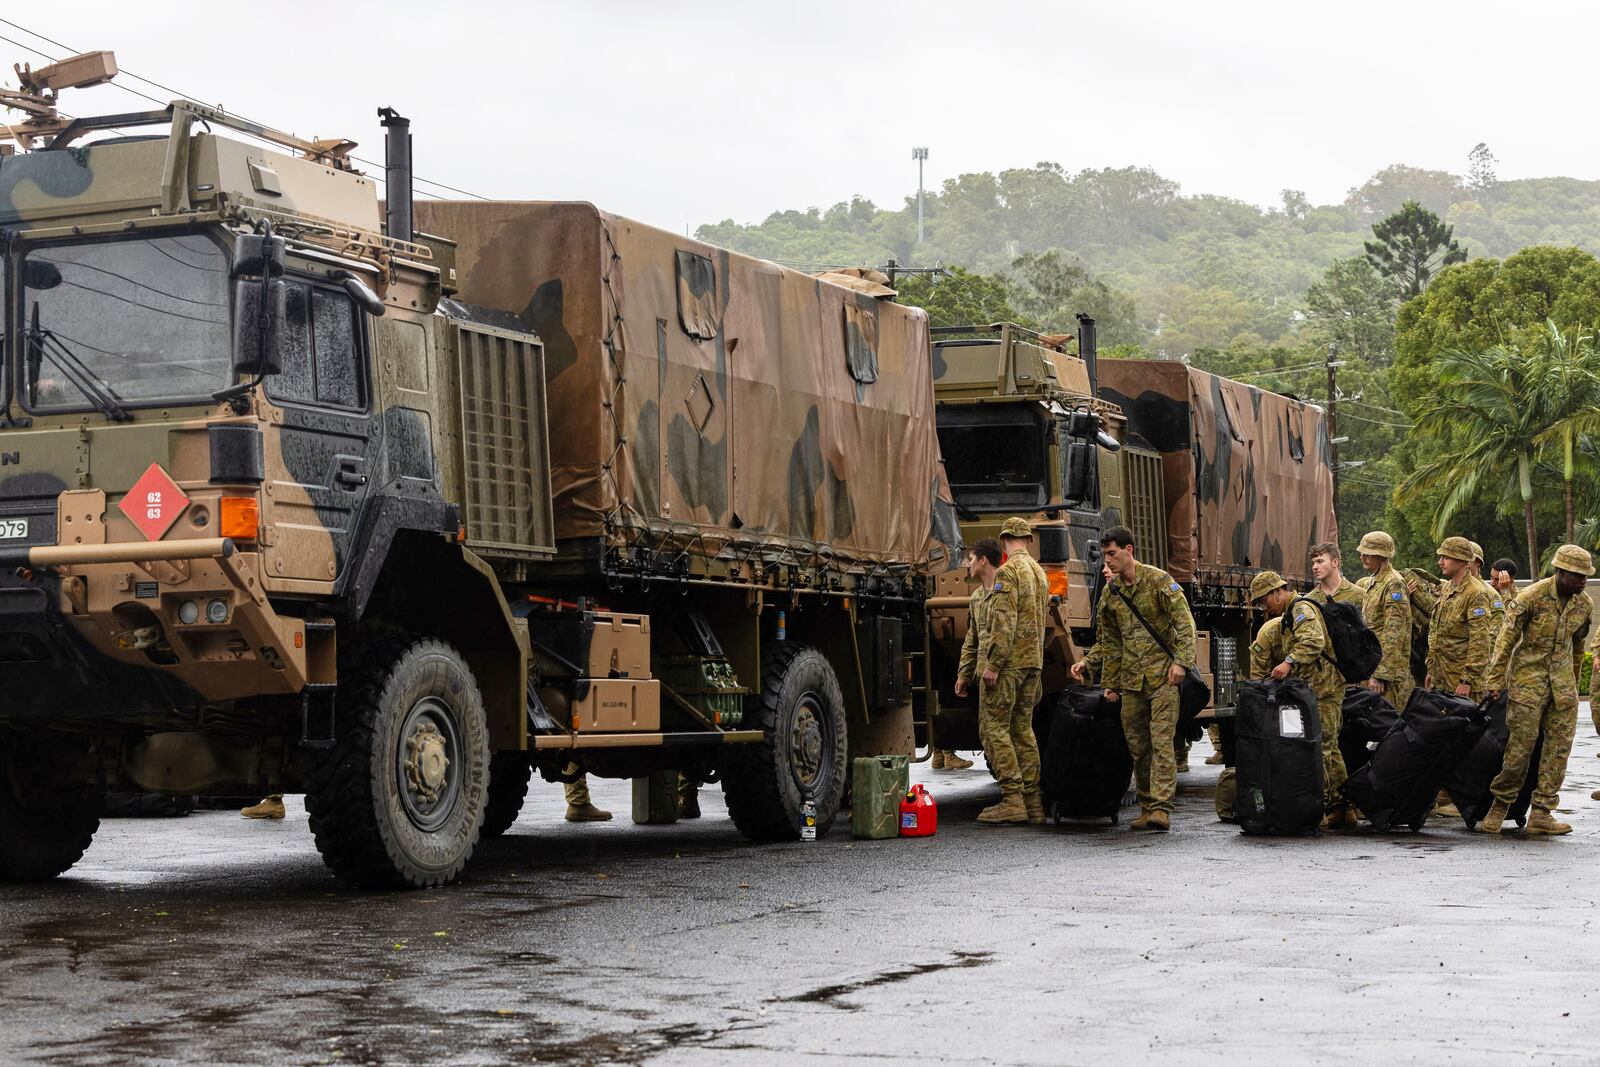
{"x": 1366, "y": 717}
{"x": 1278, "y": 740}
{"x": 1415, "y": 759}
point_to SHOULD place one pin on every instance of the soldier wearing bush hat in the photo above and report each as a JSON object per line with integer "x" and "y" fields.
{"x": 1536, "y": 661}
{"x": 1386, "y": 609}
{"x": 1461, "y": 630}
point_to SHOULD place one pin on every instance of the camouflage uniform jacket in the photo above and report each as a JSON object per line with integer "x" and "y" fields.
{"x": 1387, "y": 612}
{"x": 1497, "y": 606}
{"x": 1347, "y": 593}
{"x": 1267, "y": 650}
{"x": 1460, "y": 636}
{"x": 1127, "y": 656}
{"x": 1539, "y": 644}
{"x": 1305, "y": 638}
{"x": 1022, "y": 574}
{"x": 991, "y": 630}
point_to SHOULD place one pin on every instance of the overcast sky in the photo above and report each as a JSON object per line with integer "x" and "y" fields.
{"x": 680, "y": 112}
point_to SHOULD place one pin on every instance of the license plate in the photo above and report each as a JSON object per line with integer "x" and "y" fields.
{"x": 13, "y": 529}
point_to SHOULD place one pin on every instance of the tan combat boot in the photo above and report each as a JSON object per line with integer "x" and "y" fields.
{"x": 1035, "y": 805}
{"x": 1141, "y": 822}
{"x": 1009, "y": 811}
{"x": 953, "y": 762}
{"x": 1542, "y": 822}
{"x": 1350, "y": 818}
{"x": 586, "y": 813}
{"x": 1595, "y": 795}
{"x": 937, "y": 762}
{"x": 1443, "y": 805}
{"x": 1159, "y": 821}
{"x": 1497, "y": 815}
{"x": 269, "y": 808}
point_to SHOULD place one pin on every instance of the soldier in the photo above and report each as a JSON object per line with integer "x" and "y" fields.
{"x": 268, "y": 807}
{"x": 1460, "y": 634}
{"x": 1299, "y": 646}
{"x": 945, "y": 759}
{"x": 1536, "y": 662}
{"x": 580, "y": 807}
{"x": 1497, "y": 603}
{"x": 1138, "y": 670}
{"x": 1331, "y": 582}
{"x": 1503, "y": 578}
{"x": 1386, "y": 609}
{"x": 1002, "y": 651}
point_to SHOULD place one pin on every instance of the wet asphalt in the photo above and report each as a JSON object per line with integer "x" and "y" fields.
{"x": 213, "y": 940}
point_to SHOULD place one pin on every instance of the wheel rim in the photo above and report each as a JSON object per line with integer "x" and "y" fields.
{"x": 809, "y": 743}
{"x": 427, "y": 759}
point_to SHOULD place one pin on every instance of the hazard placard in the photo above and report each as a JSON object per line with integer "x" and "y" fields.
{"x": 154, "y": 503}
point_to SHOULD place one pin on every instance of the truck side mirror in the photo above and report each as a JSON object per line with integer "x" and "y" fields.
{"x": 1077, "y": 474}
{"x": 257, "y": 254}
{"x": 40, "y": 274}
{"x": 260, "y": 311}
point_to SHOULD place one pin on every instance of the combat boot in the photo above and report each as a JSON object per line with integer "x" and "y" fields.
{"x": 1443, "y": 805}
{"x": 1214, "y": 760}
{"x": 269, "y": 808}
{"x": 689, "y": 806}
{"x": 953, "y": 762}
{"x": 1009, "y": 811}
{"x": 1542, "y": 822}
{"x": 1595, "y": 795}
{"x": 1495, "y": 818}
{"x": 586, "y": 813}
{"x": 1350, "y": 818}
{"x": 1035, "y": 805}
{"x": 1141, "y": 822}
{"x": 1159, "y": 821}
{"x": 937, "y": 762}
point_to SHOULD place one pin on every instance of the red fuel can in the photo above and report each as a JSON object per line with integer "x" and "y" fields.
{"x": 919, "y": 815}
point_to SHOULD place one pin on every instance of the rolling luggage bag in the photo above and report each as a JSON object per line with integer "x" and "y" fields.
{"x": 1367, "y": 717}
{"x": 1278, "y": 741}
{"x": 1084, "y": 766}
{"x": 1415, "y": 759}
{"x": 1469, "y": 785}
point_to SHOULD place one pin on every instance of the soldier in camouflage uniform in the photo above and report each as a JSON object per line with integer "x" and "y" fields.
{"x": 1536, "y": 662}
{"x": 1460, "y": 630}
{"x": 1033, "y": 605}
{"x": 1135, "y": 669}
{"x": 1000, "y": 655}
{"x": 1299, "y": 646}
{"x": 1497, "y": 603}
{"x": 1331, "y": 583}
{"x": 1386, "y": 609}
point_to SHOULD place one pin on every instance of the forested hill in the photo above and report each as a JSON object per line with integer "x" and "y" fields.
{"x": 1185, "y": 271}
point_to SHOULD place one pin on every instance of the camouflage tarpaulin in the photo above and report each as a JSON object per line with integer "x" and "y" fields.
{"x": 706, "y": 396}
{"x": 1248, "y": 474}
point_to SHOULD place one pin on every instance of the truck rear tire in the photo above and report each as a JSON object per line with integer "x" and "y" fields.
{"x": 802, "y": 756}
{"x": 509, "y": 775}
{"x": 44, "y": 828}
{"x": 399, "y": 799}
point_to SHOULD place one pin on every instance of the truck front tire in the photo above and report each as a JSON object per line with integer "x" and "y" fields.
{"x": 44, "y": 827}
{"x": 509, "y": 775}
{"x": 802, "y": 757}
{"x": 399, "y": 800}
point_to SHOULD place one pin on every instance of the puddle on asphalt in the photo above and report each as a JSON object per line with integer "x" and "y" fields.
{"x": 831, "y": 994}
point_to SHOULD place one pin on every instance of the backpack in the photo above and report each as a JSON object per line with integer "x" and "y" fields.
{"x": 1356, "y": 651}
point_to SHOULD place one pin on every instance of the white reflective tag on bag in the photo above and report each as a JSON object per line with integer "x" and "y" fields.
{"x": 1291, "y": 721}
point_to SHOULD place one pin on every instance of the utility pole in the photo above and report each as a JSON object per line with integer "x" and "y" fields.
{"x": 921, "y": 156}
{"x": 1333, "y": 423}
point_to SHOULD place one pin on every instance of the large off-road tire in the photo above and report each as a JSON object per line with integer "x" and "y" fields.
{"x": 44, "y": 826}
{"x": 509, "y": 775}
{"x": 802, "y": 757}
{"x": 398, "y": 801}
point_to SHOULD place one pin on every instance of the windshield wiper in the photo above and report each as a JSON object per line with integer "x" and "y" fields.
{"x": 42, "y": 342}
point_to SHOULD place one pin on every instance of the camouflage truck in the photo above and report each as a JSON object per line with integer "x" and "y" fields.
{"x": 294, "y": 497}
{"x": 1218, "y": 480}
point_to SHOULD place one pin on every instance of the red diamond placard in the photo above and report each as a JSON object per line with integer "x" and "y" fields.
{"x": 154, "y": 503}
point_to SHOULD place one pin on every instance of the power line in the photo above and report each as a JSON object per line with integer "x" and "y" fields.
{"x": 190, "y": 97}
{"x": 1377, "y": 422}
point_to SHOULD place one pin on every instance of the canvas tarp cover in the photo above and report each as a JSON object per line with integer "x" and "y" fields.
{"x": 1247, "y": 473}
{"x": 759, "y": 433}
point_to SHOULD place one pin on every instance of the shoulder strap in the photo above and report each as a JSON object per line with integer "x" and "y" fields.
{"x": 1327, "y": 651}
{"x": 1147, "y": 627}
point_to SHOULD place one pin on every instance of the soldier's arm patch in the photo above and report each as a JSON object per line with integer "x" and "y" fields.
{"x": 1300, "y": 616}
{"x": 1176, "y": 588}
{"x": 999, "y": 585}
{"x": 1396, "y": 595}
{"x": 1480, "y": 611}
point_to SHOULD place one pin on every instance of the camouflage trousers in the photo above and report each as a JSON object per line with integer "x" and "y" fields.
{"x": 577, "y": 791}
{"x": 1005, "y": 725}
{"x": 1149, "y": 721}
{"x": 1398, "y": 694}
{"x": 1558, "y": 715}
{"x": 1331, "y": 715}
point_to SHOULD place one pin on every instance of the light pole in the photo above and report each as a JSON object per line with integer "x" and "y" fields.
{"x": 921, "y": 156}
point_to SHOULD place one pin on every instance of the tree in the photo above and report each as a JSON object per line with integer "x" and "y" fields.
{"x": 1353, "y": 307}
{"x": 1053, "y": 290}
{"x": 1488, "y": 406}
{"x": 960, "y": 298}
{"x": 1569, "y": 378}
{"x": 1480, "y": 169}
{"x": 1389, "y": 189}
{"x": 1295, "y": 204}
{"x": 1412, "y": 244}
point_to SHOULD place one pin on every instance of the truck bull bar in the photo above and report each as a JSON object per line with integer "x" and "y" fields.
{"x": 125, "y": 552}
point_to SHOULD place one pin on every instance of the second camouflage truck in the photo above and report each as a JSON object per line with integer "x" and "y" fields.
{"x": 1218, "y": 480}
{"x": 294, "y": 497}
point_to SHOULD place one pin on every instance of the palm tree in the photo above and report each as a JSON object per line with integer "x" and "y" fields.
{"x": 1487, "y": 404}
{"x": 1569, "y": 379}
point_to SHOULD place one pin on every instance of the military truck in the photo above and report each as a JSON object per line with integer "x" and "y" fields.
{"x": 1218, "y": 480}
{"x": 295, "y": 497}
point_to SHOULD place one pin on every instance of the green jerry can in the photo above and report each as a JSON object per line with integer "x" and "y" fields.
{"x": 877, "y": 785}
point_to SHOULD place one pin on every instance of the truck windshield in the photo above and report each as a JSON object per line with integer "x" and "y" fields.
{"x": 115, "y": 324}
{"x": 996, "y": 456}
